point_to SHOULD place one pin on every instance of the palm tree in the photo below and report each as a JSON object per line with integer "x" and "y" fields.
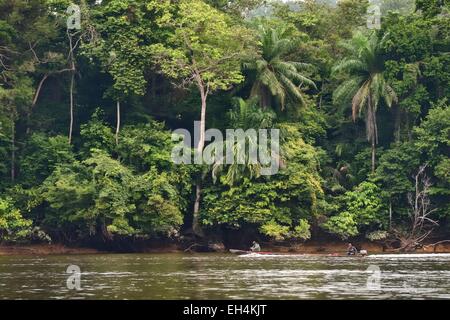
{"x": 245, "y": 115}
{"x": 276, "y": 77}
{"x": 365, "y": 82}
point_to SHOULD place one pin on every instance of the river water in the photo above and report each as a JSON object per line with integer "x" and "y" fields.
{"x": 225, "y": 276}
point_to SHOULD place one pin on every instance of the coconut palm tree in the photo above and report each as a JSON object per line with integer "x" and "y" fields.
{"x": 277, "y": 77}
{"x": 363, "y": 68}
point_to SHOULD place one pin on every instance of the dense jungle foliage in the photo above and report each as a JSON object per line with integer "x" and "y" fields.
{"x": 87, "y": 115}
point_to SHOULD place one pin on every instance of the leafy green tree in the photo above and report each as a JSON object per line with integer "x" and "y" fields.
{"x": 402, "y": 7}
{"x": 433, "y": 141}
{"x": 365, "y": 82}
{"x": 27, "y": 31}
{"x": 126, "y": 29}
{"x": 343, "y": 225}
{"x": 361, "y": 210}
{"x": 159, "y": 210}
{"x": 433, "y": 135}
{"x": 13, "y": 100}
{"x": 96, "y": 134}
{"x": 322, "y": 25}
{"x": 431, "y": 7}
{"x": 205, "y": 49}
{"x": 102, "y": 197}
{"x": 238, "y": 8}
{"x": 399, "y": 164}
{"x": 394, "y": 176}
{"x": 17, "y": 32}
{"x": 42, "y": 154}
{"x": 416, "y": 65}
{"x": 146, "y": 146}
{"x": 13, "y": 226}
{"x": 279, "y": 232}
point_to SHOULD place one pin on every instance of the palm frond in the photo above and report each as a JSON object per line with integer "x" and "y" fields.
{"x": 292, "y": 90}
{"x": 360, "y": 99}
{"x": 347, "y": 89}
{"x": 350, "y": 66}
{"x": 301, "y": 65}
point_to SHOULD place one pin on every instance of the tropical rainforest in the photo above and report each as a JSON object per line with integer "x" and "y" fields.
{"x": 91, "y": 91}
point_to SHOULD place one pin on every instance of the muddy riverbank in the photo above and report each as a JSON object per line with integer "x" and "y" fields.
{"x": 308, "y": 247}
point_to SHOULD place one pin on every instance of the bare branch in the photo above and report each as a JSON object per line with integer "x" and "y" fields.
{"x": 421, "y": 223}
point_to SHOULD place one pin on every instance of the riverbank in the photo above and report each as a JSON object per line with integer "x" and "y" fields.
{"x": 340, "y": 247}
{"x": 44, "y": 249}
{"x": 304, "y": 248}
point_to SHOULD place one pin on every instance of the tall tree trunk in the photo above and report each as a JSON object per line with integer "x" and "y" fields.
{"x": 373, "y": 156}
{"x": 72, "y": 79}
{"x": 201, "y": 142}
{"x": 390, "y": 214}
{"x": 372, "y": 129}
{"x": 13, "y": 150}
{"x": 196, "y": 227}
{"x": 35, "y": 99}
{"x": 266, "y": 99}
{"x": 118, "y": 122}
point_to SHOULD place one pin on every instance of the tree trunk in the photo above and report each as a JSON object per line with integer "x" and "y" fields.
{"x": 390, "y": 214}
{"x": 72, "y": 79}
{"x": 71, "y": 107}
{"x": 13, "y": 150}
{"x": 201, "y": 142}
{"x": 118, "y": 122}
{"x": 196, "y": 227}
{"x": 266, "y": 99}
{"x": 373, "y": 129}
{"x": 35, "y": 99}
{"x": 373, "y": 156}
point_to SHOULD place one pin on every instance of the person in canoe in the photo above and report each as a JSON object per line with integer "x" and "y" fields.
{"x": 255, "y": 247}
{"x": 351, "y": 250}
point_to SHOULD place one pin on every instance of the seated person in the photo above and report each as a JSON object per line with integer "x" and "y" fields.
{"x": 351, "y": 250}
{"x": 255, "y": 247}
